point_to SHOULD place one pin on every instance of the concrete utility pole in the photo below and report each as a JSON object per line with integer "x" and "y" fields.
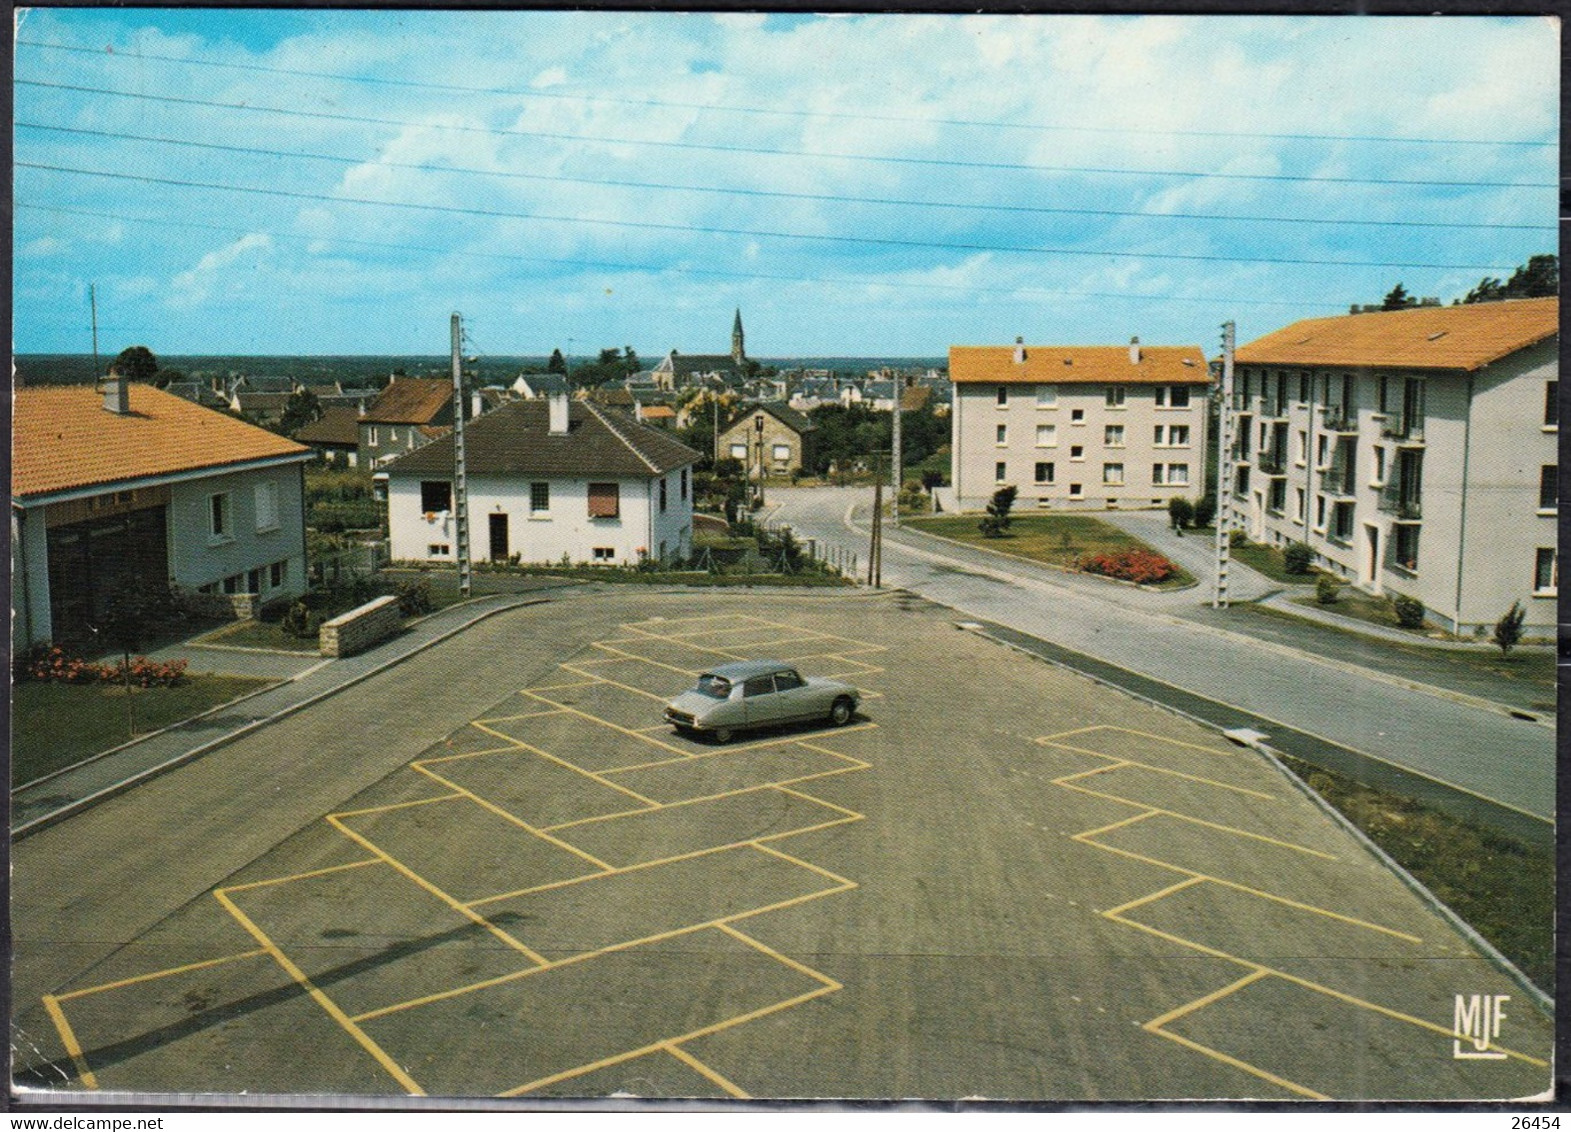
{"x": 460, "y": 471}
{"x": 896, "y": 485}
{"x": 875, "y": 548}
{"x": 92, "y": 299}
{"x": 1224, "y": 470}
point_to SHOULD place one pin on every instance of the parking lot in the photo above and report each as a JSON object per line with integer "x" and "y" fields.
{"x": 999, "y": 880}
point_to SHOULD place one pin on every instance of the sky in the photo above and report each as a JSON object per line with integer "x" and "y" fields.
{"x": 331, "y": 182}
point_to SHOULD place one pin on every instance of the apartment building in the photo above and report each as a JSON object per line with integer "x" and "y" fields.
{"x": 1089, "y": 427}
{"x": 1416, "y": 451}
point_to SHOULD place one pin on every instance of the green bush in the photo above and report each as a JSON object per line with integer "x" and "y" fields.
{"x": 1236, "y": 539}
{"x": 1508, "y": 630}
{"x": 1409, "y": 611}
{"x": 1205, "y": 510}
{"x": 1326, "y": 590}
{"x": 1297, "y": 556}
{"x": 414, "y": 598}
{"x": 1180, "y": 511}
{"x": 301, "y": 621}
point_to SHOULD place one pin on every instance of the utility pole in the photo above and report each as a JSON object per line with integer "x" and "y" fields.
{"x": 92, "y": 301}
{"x": 896, "y": 485}
{"x": 875, "y": 549}
{"x": 1224, "y": 470}
{"x": 460, "y": 471}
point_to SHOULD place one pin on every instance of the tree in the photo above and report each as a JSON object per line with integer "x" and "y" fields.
{"x": 301, "y": 409}
{"x": 557, "y": 364}
{"x": 1537, "y": 278}
{"x": 1508, "y": 630}
{"x": 997, "y": 520}
{"x": 1489, "y": 290}
{"x": 630, "y": 360}
{"x": 1398, "y": 299}
{"x": 1180, "y": 512}
{"x": 136, "y": 363}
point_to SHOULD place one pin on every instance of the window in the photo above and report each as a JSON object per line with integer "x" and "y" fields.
{"x": 1298, "y": 504}
{"x": 662, "y": 495}
{"x": 232, "y": 584}
{"x": 1113, "y": 473}
{"x": 267, "y": 506}
{"x": 1047, "y": 396}
{"x": 1172, "y": 396}
{"x": 1303, "y": 388}
{"x": 1342, "y": 521}
{"x": 782, "y": 452}
{"x": 759, "y": 686}
{"x": 438, "y": 550}
{"x": 1172, "y": 436}
{"x": 1001, "y": 435}
{"x": 604, "y": 553}
{"x": 218, "y": 518}
{"x": 392, "y": 436}
{"x": 739, "y": 451}
{"x": 1115, "y": 396}
{"x": 436, "y": 495}
{"x": 1322, "y": 449}
{"x": 1548, "y": 487}
{"x": 1077, "y": 452}
{"x": 604, "y": 500}
{"x": 1075, "y": 491}
{"x": 1156, "y": 474}
{"x": 1404, "y": 547}
{"x": 999, "y": 472}
{"x": 277, "y": 573}
{"x": 1551, "y": 404}
{"x": 1173, "y": 475}
{"x": 1003, "y": 396}
{"x": 1380, "y": 465}
{"x": 684, "y": 484}
{"x": 1113, "y": 436}
{"x": 1546, "y": 576}
{"x": 1383, "y": 392}
{"x": 1077, "y": 416}
{"x": 785, "y": 681}
{"x": 371, "y": 435}
{"x": 1320, "y": 512}
{"x": 1044, "y": 473}
{"x": 1300, "y": 448}
{"x": 539, "y": 498}
{"x": 1046, "y": 436}
{"x": 253, "y": 582}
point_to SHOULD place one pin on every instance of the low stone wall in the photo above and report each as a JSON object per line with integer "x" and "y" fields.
{"x": 219, "y": 607}
{"x": 360, "y": 628}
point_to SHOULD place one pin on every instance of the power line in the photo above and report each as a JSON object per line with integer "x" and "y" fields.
{"x": 876, "y": 241}
{"x": 658, "y": 269}
{"x": 766, "y": 152}
{"x": 768, "y": 111}
{"x": 770, "y": 193}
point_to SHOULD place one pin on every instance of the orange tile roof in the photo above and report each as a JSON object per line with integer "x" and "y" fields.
{"x": 1448, "y": 338}
{"x": 410, "y": 400}
{"x": 1159, "y": 365}
{"x": 63, "y": 438}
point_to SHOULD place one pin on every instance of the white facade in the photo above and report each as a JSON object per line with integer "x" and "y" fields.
{"x": 506, "y": 521}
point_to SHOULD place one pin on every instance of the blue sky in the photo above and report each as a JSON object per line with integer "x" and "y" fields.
{"x": 274, "y": 182}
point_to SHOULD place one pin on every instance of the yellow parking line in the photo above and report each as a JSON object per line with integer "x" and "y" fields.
{"x": 619, "y": 684}
{"x": 304, "y": 876}
{"x": 555, "y": 688}
{"x": 837, "y": 754}
{"x": 387, "y": 810}
{"x": 1086, "y": 835}
{"x": 856, "y": 764}
{"x": 514, "y": 819}
{"x": 1291, "y": 1086}
{"x": 823, "y": 872}
{"x": 452, "y": 902}
{"x": 614, "y": 726}
{"x": 1201, "y": 821}
{"x": 623, "y": 655}
{"x": 327, "y": 1004}
{"x": 72, "y": 1046}
{"x": 1187, "y": 882}
{"x": 1206, "y": 1000}
{"x": 699, "y": 1067}
{"x": 1066, "y": 779}
{"x": 523, "y": 715}
{"x": 785, "y": 788}
{"x": 510, "y": 749}
{"x": 1227, "y": 752}
{"x": 167, "y": 971}
{"x": 595, "y": 776}
{"x": 1122, "y": 761}
{"x": 829, "y": 983}
{"x": 656, "y": 806}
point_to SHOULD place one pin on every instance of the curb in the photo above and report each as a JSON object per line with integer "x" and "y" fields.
{"x": 71, "y": 809}
{"x": 1540, "y": 999}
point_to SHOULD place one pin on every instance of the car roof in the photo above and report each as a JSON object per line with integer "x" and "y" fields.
{"x": 742, "y": 669}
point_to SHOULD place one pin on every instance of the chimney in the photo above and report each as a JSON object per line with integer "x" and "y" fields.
{"x": 1134, "y": 351}
{"x": 1020, "y": 351}
{"x": 557, "y": 413}
{"x": 117, "y": 395}
{"x": 476, "y": 404}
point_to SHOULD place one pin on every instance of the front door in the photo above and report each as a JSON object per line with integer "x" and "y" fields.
{"x": 499, "y": 549}
{"x": 1372, "y": 576}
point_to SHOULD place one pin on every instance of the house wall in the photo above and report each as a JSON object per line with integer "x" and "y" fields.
{"x": 29, "y": 578}
{"x": 565, "y": 529}
{"x": 197, "y": 559}
{"x": 775, "y": 432}
{"x": 976, "y": 450}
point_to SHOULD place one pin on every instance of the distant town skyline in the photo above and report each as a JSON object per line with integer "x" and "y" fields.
{"x": 238, "y": 182}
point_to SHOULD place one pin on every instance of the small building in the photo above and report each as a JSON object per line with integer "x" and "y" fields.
{"x": 335, "y": 433}
{"x": 410, "y": 413}
{"x": 132, "y": 487}
{"x": 548, "y": 479}
{"x": 533, "y": 385}
{"x": 1086, "y": 427}
{"x": 1415, "y": 451}
{"x": 769, "y": 438}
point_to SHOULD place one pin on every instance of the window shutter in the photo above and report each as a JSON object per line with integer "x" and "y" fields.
{"x": 603, "y": 500}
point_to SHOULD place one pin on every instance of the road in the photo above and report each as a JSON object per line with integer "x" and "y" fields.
{"x": 1477, "y": 750}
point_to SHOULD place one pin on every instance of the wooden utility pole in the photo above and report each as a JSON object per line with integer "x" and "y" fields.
{"x": 460, "y": 470}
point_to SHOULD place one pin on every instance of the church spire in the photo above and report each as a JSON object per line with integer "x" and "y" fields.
{"x": 738, "y": 353}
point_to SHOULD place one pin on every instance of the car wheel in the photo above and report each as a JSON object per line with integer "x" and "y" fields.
{"x": 722, "y": 734}
{"x": 840, "y": 713}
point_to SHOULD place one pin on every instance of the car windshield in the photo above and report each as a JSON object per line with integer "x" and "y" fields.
{"x": 716, "y": 687}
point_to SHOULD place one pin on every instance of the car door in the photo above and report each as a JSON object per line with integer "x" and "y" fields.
{"x": 793, "y": 698}
{"x": 759, "y": 702}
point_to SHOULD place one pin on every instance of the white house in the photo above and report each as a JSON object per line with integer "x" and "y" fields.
{"x": 136, "y": 487}
{"x": 547, "y": 479}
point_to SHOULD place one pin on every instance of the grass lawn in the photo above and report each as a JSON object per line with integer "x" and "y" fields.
{"x": 1268, "y": 560}
{"x": 1359, "y": 606}
{"x": 258, "y": 635}
{"x": 97, "y": 714}
{"x": 1058, "y": 540}
{"x": 1504, "y": 889}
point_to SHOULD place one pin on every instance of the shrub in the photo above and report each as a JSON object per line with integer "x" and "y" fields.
{"x": 1409, "y": 611}
{"x": 1296, "y": 556}
{"x": 1144, "y": 567}
{"x": 1237, "y": 538}
{"x": 148, "y": 673}
{"x": 1180, "y": 511}
{"x": 51, "y": 663}
{"x": 997, "y": 520}
{"x": 1327, "y": 589}
{"x": 1205, "y": 510}
{"x": 300, "y": 621}
{"x": 414, "y": 598}
{"x": 1508, "y": 630}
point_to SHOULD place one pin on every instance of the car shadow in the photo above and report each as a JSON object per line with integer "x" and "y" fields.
{"x": 779, "y": 730}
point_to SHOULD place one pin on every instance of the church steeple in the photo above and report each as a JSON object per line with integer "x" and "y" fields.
{"x": 738, "y": 353}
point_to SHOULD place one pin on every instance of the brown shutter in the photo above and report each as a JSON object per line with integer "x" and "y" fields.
{"x": 603, "y": 501}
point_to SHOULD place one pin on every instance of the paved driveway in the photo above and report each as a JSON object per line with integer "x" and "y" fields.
{"x": 1000, "y": 880}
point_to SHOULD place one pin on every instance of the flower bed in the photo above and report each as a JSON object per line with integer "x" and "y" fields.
{"x": 1143, "y": 567}
{"x": 58, "y": 666}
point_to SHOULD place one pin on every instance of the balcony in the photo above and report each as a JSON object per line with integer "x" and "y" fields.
{"x": 1405, "y": 429}
{"x": 1269, "y": 410}
{"x": 1339, "y": 419}
{"x": 1337, "y": 481}
{"x": 1271, "y": 464}
{"x": 1400, "y": 502}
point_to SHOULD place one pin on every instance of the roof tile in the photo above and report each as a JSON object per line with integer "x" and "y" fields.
{"x": 1158, "y": 365}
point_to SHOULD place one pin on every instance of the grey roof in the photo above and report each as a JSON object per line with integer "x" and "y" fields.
{"x": 262, "y": 384}
{"x": 687, "y": 364}
{"x": 543, "y": 383}
{"x": 782, "y": 412}
{"x": 515, "y": 440}
{"x": 742, "y": 669}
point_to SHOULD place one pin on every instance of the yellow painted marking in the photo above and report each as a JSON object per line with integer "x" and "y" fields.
{"x": 159, "y": 974}
{"x": 1090, "y": 833}
{"x": 613, "y": 726}
{"x": 1206, "y": 1000}
{"x": 1200, "y": 821}
{"x": 823, "y": 872}
{"x": 1121, "y": 761}
{"x": 785, "y": 788}
{"x": 734, "y": 618}
{"x": 803, "y": 968}
{"x": 1291, "y": 1086}
{"x": 1066, "y": 779}
{"x": 524, "y": 715}
{"x": 624, "y": 687}
{"x": 1188, "y": 882}
{"x": 839, "y": 754}
{"x": 1226, "y": 752}
{"x": 72, "y": 1046}
{"x": 555, "y": 688}
{"x": 780, "y": 786}
{"x": 623, "y": 656}
{"x": 511, "y": 749}
{"x": 514, "y": 819}
{"x": 699, "y": 1067}
{"x": 593, "y": 775}
{"x": 327, "y": 1004}
{"x": 303, "y": 876}
{"x": 856, "y": 764}
{"x": 451, "y": 902}
{"x": 396, "y": 806}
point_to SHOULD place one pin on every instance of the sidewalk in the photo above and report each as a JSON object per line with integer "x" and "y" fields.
{"x": 305, "y": 679}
